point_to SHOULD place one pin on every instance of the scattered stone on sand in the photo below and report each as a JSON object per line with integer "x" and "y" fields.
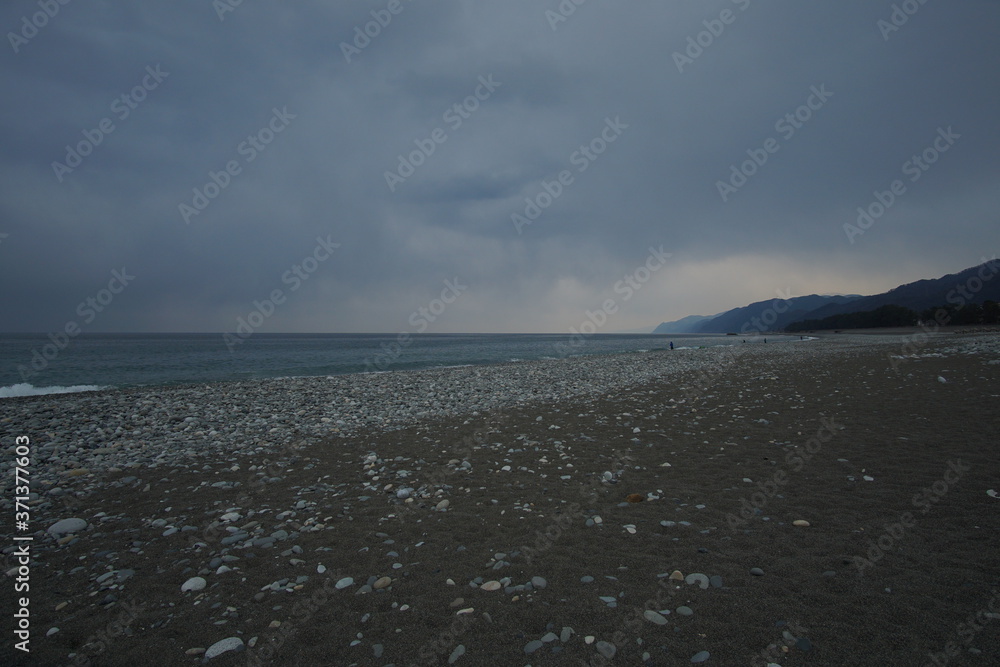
{"x": 533, "y": 646}
{"x": 607, "y": 649}
{"x": 697, "y": 578}
{"x": 67, "y": 526}
{"x": 224, "y": 646}
{"x": 654, "y": 617}
{"x": 756, "y": 571}
{"x": 635, "y": 498}
{"x": 344, "y": 583}
{"x": 456, "y": 654}
{"x": 700, "y": 656}
{"x": 802, "y": 523}
{"x": 193, "y": 584}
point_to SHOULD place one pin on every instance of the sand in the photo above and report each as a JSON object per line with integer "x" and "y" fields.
{"x": 889, "y": 465}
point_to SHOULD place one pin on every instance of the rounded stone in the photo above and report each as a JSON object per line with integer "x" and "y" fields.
{"x": 801, "y": 523}
{"x": 533, "y": 646}
{"x": 654, "y": 617}
{"x": 67, "y": 526}
{"x": 193, "y": 584}
{"x": 224, "y": 646}
{"x": 607, "y": 649}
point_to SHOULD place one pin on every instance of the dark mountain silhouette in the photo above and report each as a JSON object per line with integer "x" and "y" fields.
{"x": 973, "y": 285}
{"x": 687, "y": 324}
{"x": 770, "y": 315}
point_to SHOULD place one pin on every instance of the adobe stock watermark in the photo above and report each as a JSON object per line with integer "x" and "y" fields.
{"x": 363, "y": 35}
{"x": 899, "y": 17}
{"x": 454, "y": 116}
{"x": 796, "y": 460}
{"x": 249, "y": 149}
{"x": 294, "y": 277}
{"x": 915, "y": 168}
{"x": 223, "y": 7}
{"x": 562, "y": 12}
{"x": 37, "y": 21}
{"x": 966, "y": 631}
{"x": 959, "y": 296}
{"x": 923, "y": 501}
{"x": 714, "y": 28}
{"x": 419, "y": 319}
{"x": 99, "y": 642}
{"x": 302, "y": 611}
{"x": 627, "y": 287}
{"x": 790, "y": 638}
{"x": 635, "y": 620}
{"x": 87, "y": 310}
{"x": 581, "y": 158}
{"x": 122, "y": 107}
{"x": 787, "y": 126}
{"x": 590, "y": 491}
{"x": 758, "y": 325}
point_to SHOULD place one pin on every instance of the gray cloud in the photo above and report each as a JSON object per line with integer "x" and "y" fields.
{"x": 325, "y": 173}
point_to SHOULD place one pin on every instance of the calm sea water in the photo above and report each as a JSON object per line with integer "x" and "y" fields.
{"x": 34, "y": 364}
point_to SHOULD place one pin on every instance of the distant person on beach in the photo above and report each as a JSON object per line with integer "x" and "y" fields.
{"x": 671, "y": 345}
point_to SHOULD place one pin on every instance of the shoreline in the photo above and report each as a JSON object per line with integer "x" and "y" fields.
{"x": 379, "y": 544}
{"x": 396, "y": 367}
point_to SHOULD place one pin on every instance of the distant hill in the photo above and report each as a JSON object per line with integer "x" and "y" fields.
{"x": 973, "y": 285}
{"x": 883, "y": 316}
{"x": 687, "y": 324}
{"x": 770, "y": 315}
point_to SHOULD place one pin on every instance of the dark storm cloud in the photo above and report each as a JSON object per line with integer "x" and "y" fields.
{"x": 347, "y": 114}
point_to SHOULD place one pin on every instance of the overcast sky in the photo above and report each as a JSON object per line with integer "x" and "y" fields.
{"x": 340, "y": 109}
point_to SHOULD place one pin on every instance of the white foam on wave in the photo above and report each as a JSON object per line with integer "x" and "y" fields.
{"x": 26, "y": 389}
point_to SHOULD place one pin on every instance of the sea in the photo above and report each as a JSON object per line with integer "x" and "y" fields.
{"x": 33, "y": 364}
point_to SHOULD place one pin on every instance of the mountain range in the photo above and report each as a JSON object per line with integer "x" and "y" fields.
{"x": 973, "y": 285}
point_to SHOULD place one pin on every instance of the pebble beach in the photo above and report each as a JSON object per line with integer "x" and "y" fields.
{"x": 823, "y": 502}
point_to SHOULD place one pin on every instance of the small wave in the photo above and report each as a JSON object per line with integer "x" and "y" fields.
{"x": 26, "y": 389}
